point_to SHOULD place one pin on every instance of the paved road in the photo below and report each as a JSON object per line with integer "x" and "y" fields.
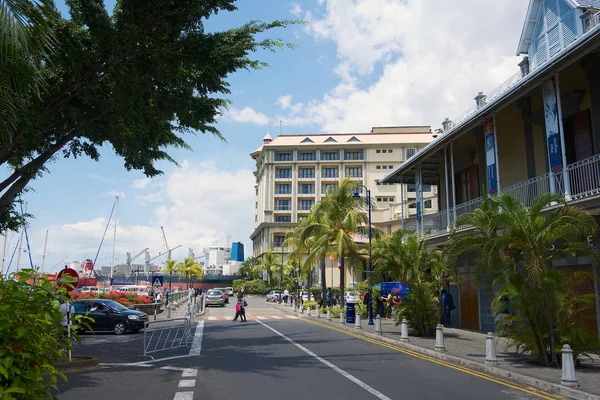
{"x": 279, "y": 357}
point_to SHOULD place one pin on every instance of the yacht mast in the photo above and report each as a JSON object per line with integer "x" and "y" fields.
{"x": 44, "y": 256}
{"x": 112, "y": 262}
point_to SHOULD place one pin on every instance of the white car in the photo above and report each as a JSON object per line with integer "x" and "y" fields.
{"x": 229, "y": 291}
{"x": 305, "y": 296}
{"x": 351, "y": 297}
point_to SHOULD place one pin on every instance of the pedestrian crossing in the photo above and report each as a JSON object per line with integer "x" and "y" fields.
{"x": 252, "y": 317}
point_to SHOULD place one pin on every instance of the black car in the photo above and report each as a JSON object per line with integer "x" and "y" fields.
{"x": 111, "y": 316}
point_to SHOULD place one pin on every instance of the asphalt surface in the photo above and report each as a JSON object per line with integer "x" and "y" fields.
{"x": 273, "y": 359}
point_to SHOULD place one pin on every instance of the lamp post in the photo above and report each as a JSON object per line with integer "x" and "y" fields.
{"x": 370, "y": 293}
{"x": 281, "y": 274}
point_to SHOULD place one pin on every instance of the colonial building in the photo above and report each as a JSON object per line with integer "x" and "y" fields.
{"x": 293, "y": 172}
{"x": 538, "y": 132}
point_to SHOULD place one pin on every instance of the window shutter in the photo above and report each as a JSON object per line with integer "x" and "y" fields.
{"x": 551, "y": 12}
{"x": 554, "y": 44}
{"x": 540, "y": 52}
{"x": 569, "y": 28}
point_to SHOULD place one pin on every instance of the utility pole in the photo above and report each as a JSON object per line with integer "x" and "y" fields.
{"x": 112, "y": 261}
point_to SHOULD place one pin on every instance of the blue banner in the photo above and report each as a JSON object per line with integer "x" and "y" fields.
{"x": 394, "y": 287}
{"x": 552, "y": 125}
{"x": 490, "y": 155}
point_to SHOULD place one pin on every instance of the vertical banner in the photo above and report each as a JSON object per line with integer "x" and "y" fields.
{"x": 552, "y": 125}
{"x": 490, "y": 155}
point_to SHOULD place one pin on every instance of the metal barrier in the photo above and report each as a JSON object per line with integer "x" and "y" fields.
{"x": 171, "y": 337}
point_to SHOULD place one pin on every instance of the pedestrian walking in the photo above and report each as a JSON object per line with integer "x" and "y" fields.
{"x": 243, "y": 310}
{"x": 238, "y": 310}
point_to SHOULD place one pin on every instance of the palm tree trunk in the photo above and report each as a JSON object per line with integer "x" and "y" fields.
{"x": 323, "y": 284}
{"x": 342, "y": 283}
{"x": 554, "y": 359}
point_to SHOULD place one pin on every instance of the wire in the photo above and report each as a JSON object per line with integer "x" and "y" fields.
{"x": 105, "y": 230}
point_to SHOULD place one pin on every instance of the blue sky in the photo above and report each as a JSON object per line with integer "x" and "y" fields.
{"x": 358, "y": 64}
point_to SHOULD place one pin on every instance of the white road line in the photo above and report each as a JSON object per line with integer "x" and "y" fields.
{"x": 184, "y": 396}
{"x": 212, "y": 318}
{"x": 340, "y": 371}
{"x": 187, "y": 383}
{"x": 189, "y": 373}
{"x": 275, "y": 317}
{"x": 291, "y": 317}
{"x": 197, "y": 343}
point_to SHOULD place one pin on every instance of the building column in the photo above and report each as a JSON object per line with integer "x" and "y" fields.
{"x": 591, "y": 66}
{"x": 565, "y": 170}
{"x": 491, "y": 156}
{"x": 453, "y": 181}
{"x": 402, "y": 202}
{"x": 419, "y": 189}
{"x": 524, "y": 105}
{"x": 447, "y": 189}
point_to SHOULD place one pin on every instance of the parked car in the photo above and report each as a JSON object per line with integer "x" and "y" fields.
{"x": 305, "y": 296}
{"x": 351, "y": 297}
{"x": 94, "y": 289}
{"x": 224, "y": 290}
{"x": 272, "y": 295}
{"x": 215, "y": 297}
{"x": 229, "y": 291}
{"x": 109, "y": 315}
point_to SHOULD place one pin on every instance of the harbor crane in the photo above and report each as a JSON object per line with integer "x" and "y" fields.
{"x": 169, "y": 250}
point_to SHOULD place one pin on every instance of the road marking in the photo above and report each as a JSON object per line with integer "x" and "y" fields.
{"x": 292, "y": 317}
{"x": 184, "y": 396}
{"x": 212, "y": 318}
{"x": 187, "y": 383}
{"x": 189, "y": 373}
{"x": 531, "y": 390}
{"x": 275, "y": 317}
{"x": 197, "y": 342}
{"x": 340, "y": 371}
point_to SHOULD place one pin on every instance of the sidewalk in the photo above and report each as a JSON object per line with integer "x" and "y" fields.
{"x": 467, "y": 348}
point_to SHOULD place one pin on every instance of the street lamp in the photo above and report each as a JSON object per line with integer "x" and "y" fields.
{"x": 281, "y": 274}
{"x": 370, "y": 293}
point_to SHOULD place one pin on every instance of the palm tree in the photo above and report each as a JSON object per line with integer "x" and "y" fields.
{"x": 171, "y": 266}
{"x": 25, "y": 39}
{"x": 333, "y": 222}
{"x": 516, "y": 246}
{"x": 248, "y": 267}
{"x": 270, "y": 262}
{"x": 190, "y": 269}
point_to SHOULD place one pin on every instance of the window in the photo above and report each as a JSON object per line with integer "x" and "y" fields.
{"x": 278, "y": 241}
{"x": 390, "y": 166}
{"x": 330, "y": 173}
{"x": 330, "y": 155}
{"x": 305, "y": 205}
{"x": 283, "y": 205}
{"x": 354, "y": 172}
{"x": 307, "y": 140}
{"x": 283, "y": 173}
{"x": 556, "y": 28}
{"x": 283, "y": 189}
{"x": 384, "y": 166}
{"x": 326, "y": 186}
{"x": 281, "y": 156}
{"x": 384, "y": 151}
{"x": 283, "y": 218}
{"x": 256, "y": 205}
{"x": 307, "y": 173}
{"x": 377, "y": 151}
{"x": 378, "y": 167}
{"x": 410, "y": 153}
{"x": 413, "y": 188}
{"x": 353, "y": 155}
{"x": 412, "y": 205}
{"x": 329, "y": 140}
{"x": 390, "y": 151}
{"x": 311, "y": 156}
{"x": 426, "y": 188}
{"x": 353, "y": 139}
{"x": 427, "y": 203}
{"x": 255, "y": 218}
{"x": 385, "y": 199}
{"x": 307, "y": 188}
{"x": 256, "y": 190}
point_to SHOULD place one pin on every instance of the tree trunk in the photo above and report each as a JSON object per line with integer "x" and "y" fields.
{"x": 554, "y": 359}
{"x": 323, "y": 283}
{"x": 342, "y": 283}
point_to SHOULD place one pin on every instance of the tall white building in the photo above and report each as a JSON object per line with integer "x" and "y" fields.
{"x": 220, "y": 262}
{"x": 293, "y": 172}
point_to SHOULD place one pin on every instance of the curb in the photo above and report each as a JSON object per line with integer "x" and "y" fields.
{"x": 499, "y": 372}
{"x": 78, "y": 362}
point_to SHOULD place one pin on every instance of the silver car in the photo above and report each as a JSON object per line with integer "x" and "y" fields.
{"x": 215, "y": 298}
{"x": 273, "y": 295}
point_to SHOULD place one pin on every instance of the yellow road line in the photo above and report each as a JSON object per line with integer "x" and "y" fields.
{"x": 530, "y": 390}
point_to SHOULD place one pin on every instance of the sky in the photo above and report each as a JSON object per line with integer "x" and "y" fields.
{"x": 357, "y": 64}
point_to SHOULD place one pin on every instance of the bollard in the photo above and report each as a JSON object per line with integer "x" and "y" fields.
{"x": 168, "y": 312}
{"x": 329, "y": 314}
{"x": 318, "y": 312}
{"x": 439, "y": 338}
{"x": 309, "y": 311}
{"x": 378, "y": 330}
{"x": 155, "y": 312}
{"x": 404, "y": 330}
{"x": 568, "y": 367}
{"x": 490, "y": 350}
{"x": 342, "y": 316}
{"x": 357, "y": 321}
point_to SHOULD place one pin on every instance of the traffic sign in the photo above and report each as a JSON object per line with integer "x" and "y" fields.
{"x": 69, "y": 283}
{"x": 157, "y": 280}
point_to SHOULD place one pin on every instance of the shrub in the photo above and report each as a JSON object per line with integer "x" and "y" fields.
{"x": 335, "y": 312}
{"x": 32, "y": 338}
{"x": 126, "y": 299}
{"x": 237, "y": 284}
{"x": 420, "y": 309}
{"x": 257, "y": 286}
{"x": 311, "y": 304}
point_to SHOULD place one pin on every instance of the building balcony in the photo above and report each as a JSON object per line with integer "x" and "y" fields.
{"x": 279, "y": 178}
{"x": 282, "y": 208}
{"x": 584, "y": 177}
{"x": 306, "y": 193}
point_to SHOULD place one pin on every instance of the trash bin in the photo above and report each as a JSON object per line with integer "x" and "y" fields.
{"x": 350, "y": 313}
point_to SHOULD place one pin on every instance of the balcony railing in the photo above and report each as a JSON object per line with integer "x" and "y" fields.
{"x": 283, "y": 191}
{"x": 282, "y": 207}
{"x": 305, "y": 207}
{"x": 306, "y": 191}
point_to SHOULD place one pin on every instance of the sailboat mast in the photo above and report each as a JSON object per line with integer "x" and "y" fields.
{"x": 44, "y": 256}
{"x": 21, "y": 241}
{"x": 4, "y": 252}
{"x": 112, "y": 263}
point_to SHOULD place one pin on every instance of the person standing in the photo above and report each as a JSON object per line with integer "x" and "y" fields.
{"x": 448, "y": 304}
{"x": 286, "y": 294}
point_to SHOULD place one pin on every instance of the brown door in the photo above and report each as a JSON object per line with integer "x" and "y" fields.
{"x": 582, "y": 129}
{"x": 469, "y": 302}
{"x": 474, "y": 181}
{"x": 586, "y": 287}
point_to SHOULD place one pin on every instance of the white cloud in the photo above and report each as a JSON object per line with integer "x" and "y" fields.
{"x": 140, "y": 183}
{"x": 285, "y": 102}
{"x": 295, "y": 10}
{"x": 246, "y": 115}
{"x": 410, "y": 61}
{"x": 114, "y": 193}
{"x": 199, "y": 204}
